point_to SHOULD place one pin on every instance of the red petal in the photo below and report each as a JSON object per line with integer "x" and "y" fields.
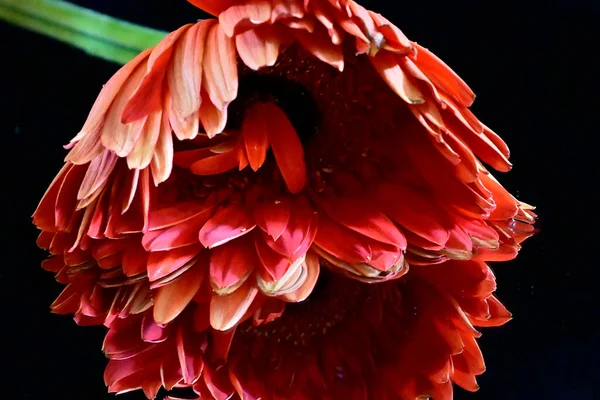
{"x": 286, "y": 146}
{"x": 415, "y": 212}
{"x": 169, "y": 216}
{"x": 189, "y": 353}
{"x": 354, "y": 248}
{"x": 44, "y": 217}
{"x": 442, "y": 76}
{"x": 214, "y": 7}
{"x": 299, "y": 232}
{"x": 255, "y": 133}
{"x": 273, "y": 216}
{"x": 217, "y": 163}
{"x": 361, "y": 216}
{"x": 231, "y": 264}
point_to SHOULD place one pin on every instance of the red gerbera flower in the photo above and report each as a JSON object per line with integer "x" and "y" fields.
{"x": 264, "y": 251}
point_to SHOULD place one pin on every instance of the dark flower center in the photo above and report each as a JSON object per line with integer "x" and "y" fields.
{"x": 333, "y": 300}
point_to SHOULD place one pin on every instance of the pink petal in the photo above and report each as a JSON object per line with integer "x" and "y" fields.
{"x": 228, "y": 223}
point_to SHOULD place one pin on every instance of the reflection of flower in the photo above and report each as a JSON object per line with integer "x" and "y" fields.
{"x": 264, "y": 251}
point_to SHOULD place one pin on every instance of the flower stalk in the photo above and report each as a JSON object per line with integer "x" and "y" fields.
{"x": 97, "y": 34}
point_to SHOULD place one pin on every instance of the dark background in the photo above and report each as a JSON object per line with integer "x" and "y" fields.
{"x": 533, "y": 68}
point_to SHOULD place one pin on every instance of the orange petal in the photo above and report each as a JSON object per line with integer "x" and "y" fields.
{"x": 185, "y": 74}
{"x": 162, "y": 161}
{"x": 143, "y": 151}
{"x": 117, "y": 136}
{"x": 213, "y": 119}
{"x": 392, "y": 73}
{"x": 171, "y": 299}
{"x": 107, "y": 94}
{"x": 255, "y": 134}
{"x": 227, "y": 311}
{"x": 147, "y": 97}
{"x": 220, "y": 68}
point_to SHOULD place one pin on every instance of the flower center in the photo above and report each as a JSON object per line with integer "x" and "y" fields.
{"x": 357, "y": 142}
{"x": 333, "y": 300}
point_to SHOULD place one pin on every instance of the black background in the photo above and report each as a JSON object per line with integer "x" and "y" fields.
{"x": 533, "y": 68}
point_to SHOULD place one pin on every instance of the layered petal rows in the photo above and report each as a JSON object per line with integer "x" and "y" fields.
{"x": 234, "y": 247}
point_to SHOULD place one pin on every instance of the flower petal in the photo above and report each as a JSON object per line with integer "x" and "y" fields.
{"x": 227, "y": 311}
{"x": 273, "y": 216}
{"x": 228, "y": 223}
{"x": 287, "y": 148}
{"x": 220, "y": 68}
{"x": 230, "y": 265}
{"x": 148, "y": 96}
{"x": 392, "y": 73}
{"x": 443, "y": 76}
{"x": 162, "y": 263}
{"x": 259, "y": 47}
{"x": 171, "y": 299}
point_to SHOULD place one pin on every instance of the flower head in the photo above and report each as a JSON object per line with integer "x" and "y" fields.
{"x": 287, "y": 202}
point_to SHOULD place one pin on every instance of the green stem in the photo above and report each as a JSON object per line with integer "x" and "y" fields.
{"x": 97, "y": 34}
